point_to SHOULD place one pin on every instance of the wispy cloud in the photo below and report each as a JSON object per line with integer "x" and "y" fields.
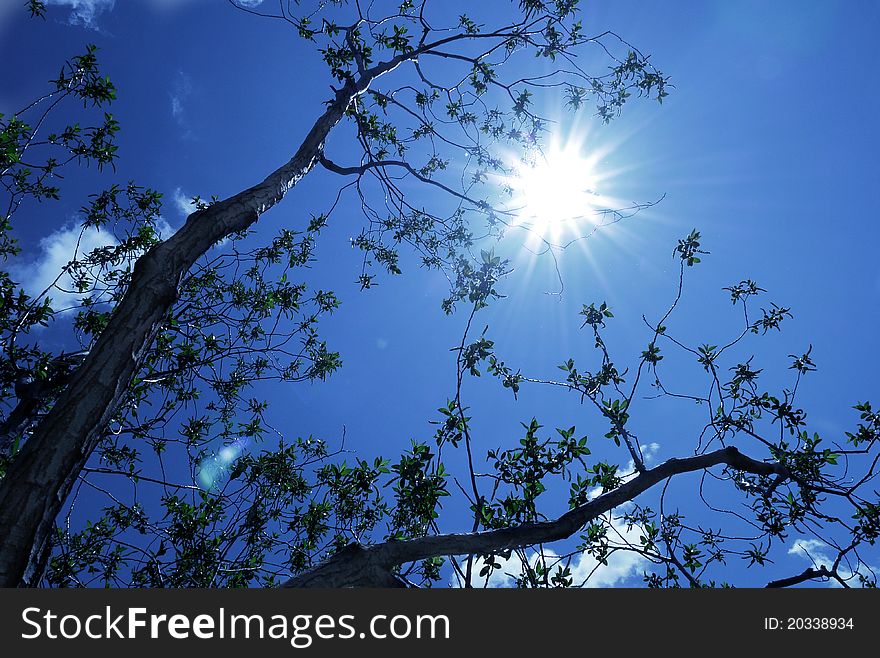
{"x": 87, "y": 12}
{"x": 183, "y": 203}
{"x": 185, "y": 207}
{"x": 46, "y": 275}
{"x": 84, "y": 12}
{"x": 820, "y": 554}
{"x": 176, "y": 107}
{"x": 813, "y": 550}
{"x": 649, "y": 455}
{"x": 181, "y": 90}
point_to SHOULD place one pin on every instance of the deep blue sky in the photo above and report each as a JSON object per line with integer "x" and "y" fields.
{"x": 767, "y": 144}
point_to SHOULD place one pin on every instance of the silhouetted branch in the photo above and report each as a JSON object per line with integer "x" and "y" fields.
{"x": 371, "y": 566}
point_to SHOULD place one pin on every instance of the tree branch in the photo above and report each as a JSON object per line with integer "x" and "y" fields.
{"x": 371, "y": 566}
{"x": 380, "y": 164}
{"x": 808, "y": 574}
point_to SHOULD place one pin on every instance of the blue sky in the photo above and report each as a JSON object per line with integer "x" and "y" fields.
{"x": 767, "y": 144}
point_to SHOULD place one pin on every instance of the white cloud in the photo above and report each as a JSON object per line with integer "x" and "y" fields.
{"x": 586, "y": 571}
{"x": 87, "y": 13}
{"x": 179, "y": 94}
{"x": 649, "y": 457}
{"x": 649, "y": 453}
{"x": 622, "y": 564}
{"x": 181, "y": 89}
{"x": 84, "y": 12}
{"x": 183, "y": 203}
{"x": 163, "y": 229}
{"x": 820, "y": 554}
{"x": 45, "y": 275}
{"x": 813, "y": 550}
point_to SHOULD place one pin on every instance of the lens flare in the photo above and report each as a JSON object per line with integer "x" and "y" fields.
{"x": 554, "y": 190}
{"x": 214, "y": 468}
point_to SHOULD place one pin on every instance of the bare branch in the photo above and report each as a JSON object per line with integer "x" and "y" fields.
{"x": 372, "y": 565}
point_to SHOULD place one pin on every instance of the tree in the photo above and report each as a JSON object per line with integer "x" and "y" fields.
{"x": 176, "y": 324}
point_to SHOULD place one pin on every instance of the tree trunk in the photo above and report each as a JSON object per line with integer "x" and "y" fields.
{"x": 42, "y": 475}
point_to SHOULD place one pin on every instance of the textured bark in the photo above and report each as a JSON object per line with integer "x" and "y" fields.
{"x": 372, "y": 566}
{"x": 34, "y": 490}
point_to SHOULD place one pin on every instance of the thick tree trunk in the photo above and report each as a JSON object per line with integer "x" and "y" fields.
{"x": 40, "y": 478}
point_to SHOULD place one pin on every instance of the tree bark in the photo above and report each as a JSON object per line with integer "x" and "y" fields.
{"x": 372, "y": 566}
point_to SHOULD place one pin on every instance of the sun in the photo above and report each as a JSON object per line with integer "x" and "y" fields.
{"x": 554, "y": 190}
